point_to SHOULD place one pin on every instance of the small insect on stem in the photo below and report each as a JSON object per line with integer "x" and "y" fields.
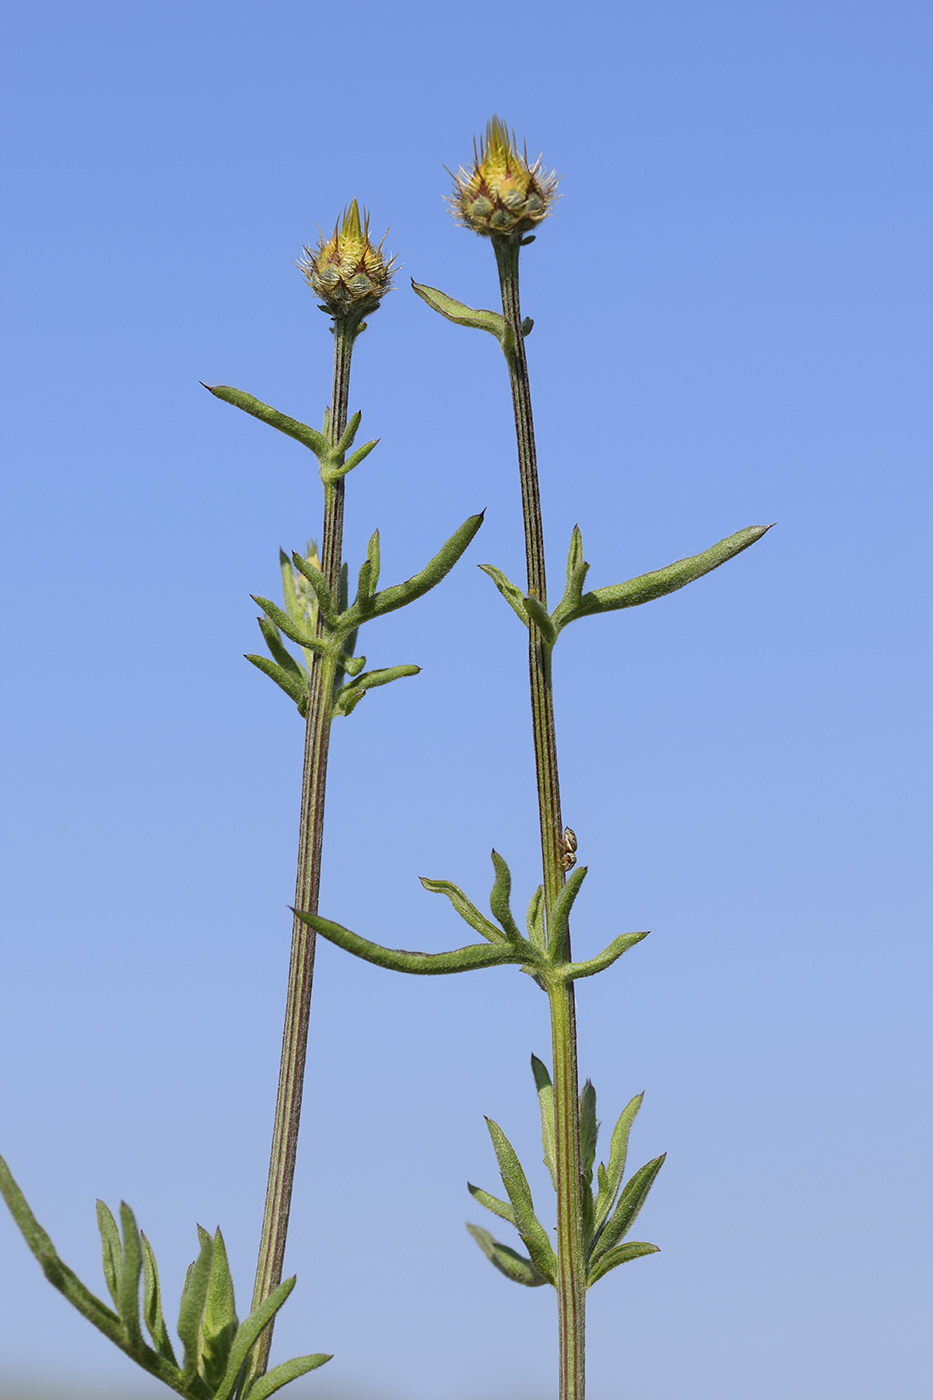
{"x": 568, "y": 848}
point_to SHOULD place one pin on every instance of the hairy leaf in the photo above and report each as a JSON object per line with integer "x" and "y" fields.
{"x": 460, "y": 314}
{"x": 474, "y": 956}
{"x": 630, "y": 1203}
{"x": 500, "y": 897}
{"x": 500, "y": 1208}
{"x": 573, "y": 971}
{"x": 280, "y": 1375}
{"x": 546, "y": 1105}
{"x": 152, "y": 1304}
{"x": 622, "y": 1254}
{"x": 508, "y": 1261}
{"x": 111, "y": 1251}
{"x": 465, "y": 908}
{"x": 512, "y": 594}
{"x": 534, "y": 1236}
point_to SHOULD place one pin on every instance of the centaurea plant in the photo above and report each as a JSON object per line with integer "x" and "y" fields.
{"x": 504, "y": 198}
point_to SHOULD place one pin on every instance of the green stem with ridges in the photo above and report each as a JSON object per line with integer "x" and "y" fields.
{"x": 269, "y": 1267}
{"x": 571, "y": 1257}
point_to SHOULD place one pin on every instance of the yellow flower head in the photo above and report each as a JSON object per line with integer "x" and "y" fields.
{"x": 348, "y": 272}
{"x": 503, "y": 193}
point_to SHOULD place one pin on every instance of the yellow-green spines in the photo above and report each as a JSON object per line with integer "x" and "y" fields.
{"x": 503, "y": 192}
{"x": 347, "y": 271}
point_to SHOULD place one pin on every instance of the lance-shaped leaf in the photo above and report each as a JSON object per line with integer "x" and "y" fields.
{"x": 573, "y": 971}
{"x": 248, "y": 1334}
{"x": 280, "y": 652}
{"x": 610, "y": 1179}
{"x": 559, "y": 924}
{"x": 369, "y": 573}
{"x": 541, "y": 618}
{"x": 512, "y": 594}
{"x": 219, "y": 1321}
{"x": 460, "y": 314}
{"x": 334, "y": 473}
{"x": 152, "y": 1304}
{"x": 280, "y": 1375}
{"x": 369, "y": 681}
{"x": 546, "y": 1104}
{"x": 499, "y": 900}
{"x": 128, "y": 1301}
{"x": 298, "y": 632}
{"x": 296, "y": 690}
{"x": 474, "y": 956}
{"x": 399, "y": 594}
{"x": 577, "y": 569}
{"x": 191, "y": 1308}
{"x": 500, "y": 1208}
{"x": 465, "y": 908}
{"x": 111, "y": 1251}
{"x": 630, "y": 1203}
{"x": 534, "y": 1236}
{"x": 508, "y": 1261}
{"x": 589, "y": 1129}
{"x": 534, "y": 920}
{"x": 308, "y": 437}
{"x": 319, "y": 583}
{"x": 662, "y": 581}
{"x": 56, "y": 1270}
{"x": 345, "y": 441}
{"x": 289, "y": 592}
{"x": 622, "y": 1254}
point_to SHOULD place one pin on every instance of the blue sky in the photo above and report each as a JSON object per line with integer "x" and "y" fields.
{"x": 732, "y": 308}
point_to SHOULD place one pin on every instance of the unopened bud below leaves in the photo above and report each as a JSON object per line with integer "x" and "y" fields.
{"x": 503, "y": 193}
{"x": 350, "y": 274}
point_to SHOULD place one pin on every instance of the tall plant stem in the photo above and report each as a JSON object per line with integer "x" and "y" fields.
{"x": 310, "y": 841}
{"x": 571, "y": 1282}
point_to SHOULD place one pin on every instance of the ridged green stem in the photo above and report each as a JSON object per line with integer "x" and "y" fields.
{"x": 571, "y": 1259}
{"x": 307, "y": 886}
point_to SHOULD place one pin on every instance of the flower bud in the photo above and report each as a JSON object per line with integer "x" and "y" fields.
{"x": 503, "y": 193}
{"x": 347, "y": 271}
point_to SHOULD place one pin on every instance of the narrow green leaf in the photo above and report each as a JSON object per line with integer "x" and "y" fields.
{"x": 527, "y": 326}
{"x": 577, "y": 569}
{"x": 345, "y": 441}
{"x": 573, "y": 971}
{"x": 622, "y": 1254}
{"x": 611, "y": 1179}
{"x": 289, "y": 593}
{"x": 371, "y": 680}
{"x": 219, "y": 1321}
{"x": 192, "y": 1307}
{"x": 541, "y": 618}
{"x": 111, "y": 1251}
{"x": 663, "y": 581}
{"x": 559, "y": 925}
{"x": 465, "y": 908}
{"x": 534, "y": 1236}
{"x": 546, "y": 1105}
{"x": 152, "y": 1304}
{"x": 400, "y": 594}
{"x": 353, "y": 461}
{"x": 295, "y": 631}
{"x": 499, "y": 900}
{"x": 308, "y": 437}
{"x": 353, "y": 665}
{"x": 347, "y": 699}
{"x": 630, "y": 1203}
{"x": 293, "y": 689}
{"x": 56, "y": 1271}
{"x": 512, "y": 594}
{"x": 128, "y": 1302}
{"x": 248, "y": 1334}
{"x": 508, "y": 1261}
{"x": 460, "y": 314}
{"x": 281, "y": 1375}
{"x": 589, "y": 1131}
{"x": 279, "y": 652}
{"x": 476, "y": 955}
{"x": 500, "y": 1208}
{"x": 534, "y": 920}
{"x": 374, "y": 557}
{"x": 319, "y": 583}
